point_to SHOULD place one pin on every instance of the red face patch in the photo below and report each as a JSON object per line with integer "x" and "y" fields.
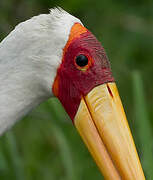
{"x": 74, "y": 81}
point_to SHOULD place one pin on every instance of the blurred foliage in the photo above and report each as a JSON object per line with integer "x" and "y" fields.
{"x": 45, "y": 145}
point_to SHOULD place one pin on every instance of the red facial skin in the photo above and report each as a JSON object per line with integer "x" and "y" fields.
{"x": 75, "y": 82}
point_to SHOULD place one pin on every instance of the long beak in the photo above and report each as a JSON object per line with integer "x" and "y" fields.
{"x": 102, "y": 124}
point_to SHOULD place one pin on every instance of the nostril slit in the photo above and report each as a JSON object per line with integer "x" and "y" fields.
{"x": 109, "y": 90}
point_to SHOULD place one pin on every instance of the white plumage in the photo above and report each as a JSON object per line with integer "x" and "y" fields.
{"x": 29, "y": 58}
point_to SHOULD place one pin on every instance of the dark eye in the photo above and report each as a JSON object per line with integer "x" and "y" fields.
{"x": 81, "y": 60}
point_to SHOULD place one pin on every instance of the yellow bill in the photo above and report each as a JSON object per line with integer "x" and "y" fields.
{"x": 102, "y": 124}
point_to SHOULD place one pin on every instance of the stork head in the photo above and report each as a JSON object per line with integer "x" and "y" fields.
{"x": 68, "y": 62}
{"x": 85, "y": 86}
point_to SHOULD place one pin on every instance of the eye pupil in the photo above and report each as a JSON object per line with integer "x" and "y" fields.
{"x": 81, "y": 60}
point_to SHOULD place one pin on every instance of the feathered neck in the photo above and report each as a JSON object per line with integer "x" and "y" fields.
{"x": 29, "y": 58}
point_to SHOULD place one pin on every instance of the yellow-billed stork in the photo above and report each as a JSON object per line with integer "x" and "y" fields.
{"x": 55, "y": 55}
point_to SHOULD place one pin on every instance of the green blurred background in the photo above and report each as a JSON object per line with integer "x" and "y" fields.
{"x": 45, "y": 145}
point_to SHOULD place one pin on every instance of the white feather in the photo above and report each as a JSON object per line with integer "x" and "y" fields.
{"x": 29, "y": 58}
